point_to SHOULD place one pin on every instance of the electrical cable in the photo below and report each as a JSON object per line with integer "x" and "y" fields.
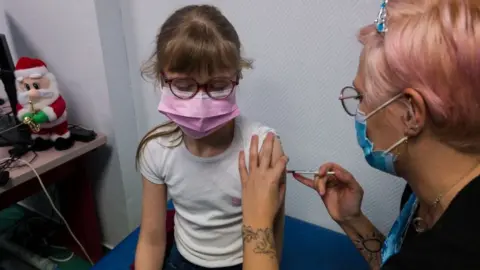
{"x": 62, "y": 260}
{"x": 45, "y": 242}
{"x": 10, "y": 163}
{"x": 15, "y": 159}
{"x": 54, "y": 207}
{"x": 10, "y": 128}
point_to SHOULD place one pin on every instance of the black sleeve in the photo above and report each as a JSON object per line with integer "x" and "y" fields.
{"x": 393, "y": 267}
{"x": 435, "y": 258}
{"x": 452, "y": 243}
{"x": 452, "y": 248}
{"x": 406, "y": 194}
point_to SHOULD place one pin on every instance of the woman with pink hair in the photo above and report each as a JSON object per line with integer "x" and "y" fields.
{"x": 416, "y": 104}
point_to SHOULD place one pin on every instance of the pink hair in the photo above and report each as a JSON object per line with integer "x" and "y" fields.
{"x": 432, "y": 46}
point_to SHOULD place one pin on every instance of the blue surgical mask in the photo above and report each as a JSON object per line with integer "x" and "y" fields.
{"x": 380, "y": 160}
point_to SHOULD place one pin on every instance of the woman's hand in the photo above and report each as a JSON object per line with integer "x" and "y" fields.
{"x": 341, "y": 193}
{"x": 262, "y": 190}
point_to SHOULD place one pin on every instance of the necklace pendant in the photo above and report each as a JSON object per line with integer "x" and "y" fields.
{"x": 420, "y": 225}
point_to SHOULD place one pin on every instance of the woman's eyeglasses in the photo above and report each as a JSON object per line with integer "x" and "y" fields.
{"x": 187, "y": 88}
{"x": 350, "y": 99}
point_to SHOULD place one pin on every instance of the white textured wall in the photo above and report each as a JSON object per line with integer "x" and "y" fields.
{"x": 304, "y": 52}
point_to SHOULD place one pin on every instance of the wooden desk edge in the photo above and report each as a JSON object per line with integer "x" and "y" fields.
{"x": 83, "y": 149}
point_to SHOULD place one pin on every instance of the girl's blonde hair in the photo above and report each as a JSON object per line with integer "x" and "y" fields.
{"x": 197, "y": 40}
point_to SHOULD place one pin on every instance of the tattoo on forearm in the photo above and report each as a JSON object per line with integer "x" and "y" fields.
{"x": 262, "y": 239}
{"x": 370, "y": 246}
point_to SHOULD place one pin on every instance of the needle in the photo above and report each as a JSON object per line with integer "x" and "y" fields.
{"x": 308, "y": 172}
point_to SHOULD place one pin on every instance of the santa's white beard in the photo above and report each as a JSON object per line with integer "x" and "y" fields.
{"x": 51, "y": 93}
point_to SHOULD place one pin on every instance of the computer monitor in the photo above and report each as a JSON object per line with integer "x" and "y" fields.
{"x": 7, "y": 69}
{"x": 9, "y": 135}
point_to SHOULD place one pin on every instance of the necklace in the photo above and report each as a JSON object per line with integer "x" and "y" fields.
{"x": 419, "y": 223}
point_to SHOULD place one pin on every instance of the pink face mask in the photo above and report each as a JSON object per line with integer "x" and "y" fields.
{"x": 200, "y": 115}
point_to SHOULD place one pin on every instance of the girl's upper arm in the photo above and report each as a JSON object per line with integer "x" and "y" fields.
{"x": 154, "y": 211}
{"x": 277, "y": 151}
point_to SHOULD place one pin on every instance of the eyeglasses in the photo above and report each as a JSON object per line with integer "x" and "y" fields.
{"x": 350, "y": 99}
{"x": 187, "y": 88}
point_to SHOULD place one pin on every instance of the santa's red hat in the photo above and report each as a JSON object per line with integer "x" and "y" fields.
{"x": 30, "y": 68}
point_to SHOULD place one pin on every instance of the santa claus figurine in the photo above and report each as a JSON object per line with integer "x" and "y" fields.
{"x": 39, "y": 101}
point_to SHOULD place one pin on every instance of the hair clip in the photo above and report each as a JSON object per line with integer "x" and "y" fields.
{"x": 382, "y": 17}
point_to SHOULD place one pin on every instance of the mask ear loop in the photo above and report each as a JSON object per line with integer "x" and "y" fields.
{"x": 390, "y": 101}
{"x": 404, "y": 139}
{"x": 395, "y": 145}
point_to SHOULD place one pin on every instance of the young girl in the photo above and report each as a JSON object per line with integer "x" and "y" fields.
{"x": 194, "y": 156}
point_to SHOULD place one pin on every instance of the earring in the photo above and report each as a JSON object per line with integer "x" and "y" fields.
{"x": 415, "y": 127}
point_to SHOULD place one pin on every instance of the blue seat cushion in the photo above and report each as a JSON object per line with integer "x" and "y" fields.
{"x": 306, "y": 246}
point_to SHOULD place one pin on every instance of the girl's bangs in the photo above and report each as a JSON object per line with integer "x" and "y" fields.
{"x": 201, "y": 58}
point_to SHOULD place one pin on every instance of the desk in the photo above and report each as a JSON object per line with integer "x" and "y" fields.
{"x": 77, "y": 203}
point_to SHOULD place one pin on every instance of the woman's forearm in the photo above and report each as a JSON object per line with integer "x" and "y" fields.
{"x": 149, "y": 256}
{"x": 366, "y": 238}
{"x": 259, "y": 250}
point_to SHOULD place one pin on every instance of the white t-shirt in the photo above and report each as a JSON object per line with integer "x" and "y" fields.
{"x": 206, "y": 193}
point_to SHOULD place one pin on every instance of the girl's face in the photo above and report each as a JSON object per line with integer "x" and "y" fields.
{"x": 217, "y": 86}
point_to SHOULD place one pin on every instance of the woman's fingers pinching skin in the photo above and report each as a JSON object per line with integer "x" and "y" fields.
{"x": 266, "y": 151}
{"x": 253, "y": 156}
{"x": 242, "y": 168}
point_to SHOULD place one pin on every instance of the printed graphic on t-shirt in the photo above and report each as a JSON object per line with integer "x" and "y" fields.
{"x": 236, "y": 201}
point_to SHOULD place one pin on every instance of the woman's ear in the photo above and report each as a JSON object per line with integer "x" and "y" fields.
{"x": 416, "y": 114}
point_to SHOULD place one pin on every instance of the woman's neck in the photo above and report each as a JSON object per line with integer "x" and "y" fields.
{"x": 214, "y": 144}
{"x": 439, "y": 173}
